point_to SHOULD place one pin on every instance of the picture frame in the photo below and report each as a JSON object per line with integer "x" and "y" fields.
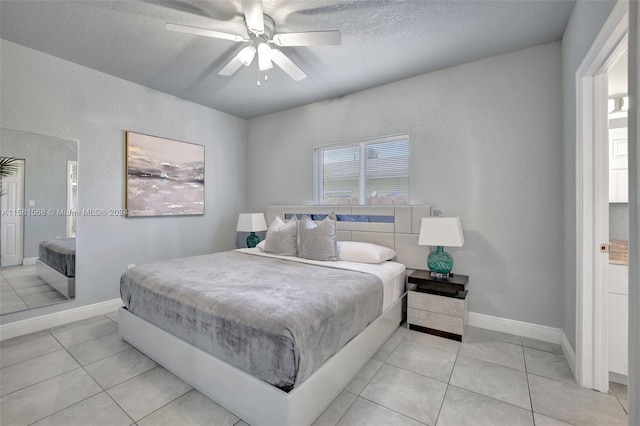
{"x": 164, "y": 177}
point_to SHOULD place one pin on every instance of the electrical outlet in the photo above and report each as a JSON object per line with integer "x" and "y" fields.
{"x": 133, "y": 265}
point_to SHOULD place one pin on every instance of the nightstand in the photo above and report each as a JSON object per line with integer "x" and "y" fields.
{"x": 437, "y": 305}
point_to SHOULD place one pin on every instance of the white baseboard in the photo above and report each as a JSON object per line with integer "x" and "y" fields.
{"x": 44, "y": 322}
{"x": 569, "y": 353}
{"x": 519, "y": 328}
{"x": 29, "y": 261}
{"x": 618, "y": 378}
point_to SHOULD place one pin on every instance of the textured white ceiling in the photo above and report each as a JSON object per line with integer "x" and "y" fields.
{"x": 382, "y": 41}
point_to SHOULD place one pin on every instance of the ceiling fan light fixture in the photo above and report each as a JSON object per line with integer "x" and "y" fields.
{"x": 264, "y": 57}
{"x": 246, "y": 55}
{"x": 261, "y": 31}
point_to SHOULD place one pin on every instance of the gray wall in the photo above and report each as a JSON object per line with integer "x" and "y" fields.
{"x": 50, "y": 96}
{"x": 45, "y": 182}
{"x": 585, "y": 23}
{"x": 486, "y": 144}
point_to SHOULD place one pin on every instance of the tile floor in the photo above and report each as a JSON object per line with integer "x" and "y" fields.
{"x": 21, "y": 288}
{"x": 84, "y": 374}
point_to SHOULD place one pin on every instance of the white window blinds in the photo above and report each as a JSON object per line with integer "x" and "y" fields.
{"x": 374, "y": 171}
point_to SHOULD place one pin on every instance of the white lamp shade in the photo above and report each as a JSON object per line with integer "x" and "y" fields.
{"x": 264, "y": 57}
{"x": 246, "y": 55}
{"x": 441, "y": 231}
{"x": 251, "y": 222}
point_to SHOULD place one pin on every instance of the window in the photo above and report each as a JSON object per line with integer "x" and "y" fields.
{"x": 72, "y": 197}
{"x": 372, "y": 171}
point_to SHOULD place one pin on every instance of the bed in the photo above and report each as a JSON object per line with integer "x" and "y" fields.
{"x": 271, "y": 352}
{"x": 56, "y": 264}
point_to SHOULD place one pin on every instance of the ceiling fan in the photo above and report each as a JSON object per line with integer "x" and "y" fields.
{"x": 261, "y": 31}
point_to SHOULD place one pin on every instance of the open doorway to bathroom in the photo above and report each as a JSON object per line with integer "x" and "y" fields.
{"x": 618, "y": 279}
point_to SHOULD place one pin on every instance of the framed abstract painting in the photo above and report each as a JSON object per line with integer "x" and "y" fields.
{"x": 164, "y": 177}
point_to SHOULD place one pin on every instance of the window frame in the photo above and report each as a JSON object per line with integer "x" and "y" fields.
{"x": 318, "y": 177}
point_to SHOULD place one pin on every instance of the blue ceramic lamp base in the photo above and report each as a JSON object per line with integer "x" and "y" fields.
{"x": 440, "y": 262}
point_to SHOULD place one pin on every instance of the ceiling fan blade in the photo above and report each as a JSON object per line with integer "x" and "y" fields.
{"x": 310, "y": 38}
{"x": 204, "y": 32}
{"x": 253, "y": 15}
{"x": 231, "y": 67}
{"x": 287, "y": 65}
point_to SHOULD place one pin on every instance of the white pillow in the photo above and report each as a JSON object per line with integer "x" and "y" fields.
{"x": 354, "y": 251}
{"x": 260, "y": 245}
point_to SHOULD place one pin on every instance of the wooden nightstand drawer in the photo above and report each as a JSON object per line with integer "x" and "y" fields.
{"x": 435, "y": 321}
{"x": 438, "y": 304}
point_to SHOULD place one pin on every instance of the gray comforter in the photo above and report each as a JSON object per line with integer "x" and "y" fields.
{"x": 59, "y": 254}
{"x": 278, "y": 320}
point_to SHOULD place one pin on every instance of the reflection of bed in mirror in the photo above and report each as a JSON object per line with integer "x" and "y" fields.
{"x": 56, "y": 265}
{"x": 46, "y": 188}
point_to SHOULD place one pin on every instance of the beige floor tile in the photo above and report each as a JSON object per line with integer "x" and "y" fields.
{"x": 45, "y": 398}
{"x": 191, "y": 409}
{"x": 44, "y": 288}
{"x": 99, "y": 410}
{"x": 407, "y": 393}
{"x": 547, "y": 364}
{"x": 81, "y": 331}
{"x": 117, "y": 368}
{"x": 495, "y": 381}
{"x": 495, "y": 351}
{"x": 96, "y": 349}
{"x": 148, "y": 392}
{"x": 366, "y": 413}
{"x": 13, "y": 351}
{"x": 40, "y": 299}
{"x": 465, "y": 408}
{"x": 334, "y": 412}
{"x": 390, "y": 345}
{"x": 424, "y": 360}
{"x": 12, "y": 305}
{"x": 620, "y": 391}
{"x": 23, "y": 374}
{"x": 541, "y": 420}
{"x": 363, "y": 377}
{"x": 573, "y": 404}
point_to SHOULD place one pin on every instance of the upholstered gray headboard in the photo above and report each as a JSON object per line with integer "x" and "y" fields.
{"x": 396, "y": 227}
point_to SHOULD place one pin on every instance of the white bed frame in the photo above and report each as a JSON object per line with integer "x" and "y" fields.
{"x": 257, "y": 402}
{"x": 66, "y": 286}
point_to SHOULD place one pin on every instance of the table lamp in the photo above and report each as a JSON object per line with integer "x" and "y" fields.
{"x": 251, "y": 222}
{"x": 439, "y": 232}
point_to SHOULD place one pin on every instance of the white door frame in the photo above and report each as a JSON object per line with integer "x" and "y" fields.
{"x": 12, "y": 227}
{"x": 592, "y": 215}
{"x": 634, "y": 162}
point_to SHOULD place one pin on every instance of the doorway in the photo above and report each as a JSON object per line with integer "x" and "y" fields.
{"x": 592, "y": 195}
{"x": 12, "y": 229}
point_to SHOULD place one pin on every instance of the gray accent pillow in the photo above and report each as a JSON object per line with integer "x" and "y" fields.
{"x": 282, "y": 237}
{"x": 317, "y": 240}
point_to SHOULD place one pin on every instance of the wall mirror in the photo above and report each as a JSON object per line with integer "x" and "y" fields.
{"x": 39, "y": 187}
